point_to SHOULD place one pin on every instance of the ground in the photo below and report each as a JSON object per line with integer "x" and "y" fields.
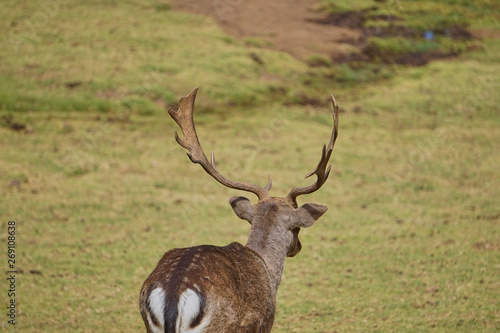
{"x": 290, "y": 26}
{"x": 99, "y": 189}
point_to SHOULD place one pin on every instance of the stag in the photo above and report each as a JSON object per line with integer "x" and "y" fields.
{"x": 232, "y": 288}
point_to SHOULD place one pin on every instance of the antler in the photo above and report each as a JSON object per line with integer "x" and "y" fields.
{"x": 184, "y": 118}
{"x": 321, "y": 171}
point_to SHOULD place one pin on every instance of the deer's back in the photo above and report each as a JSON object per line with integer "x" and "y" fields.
{"x": 208, "y": 289}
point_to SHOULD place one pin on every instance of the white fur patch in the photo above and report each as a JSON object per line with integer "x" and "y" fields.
{"x": 157, "y": 306}
{"x": 189, "y": 308}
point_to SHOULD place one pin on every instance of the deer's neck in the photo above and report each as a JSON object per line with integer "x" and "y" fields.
{"x": 273, "y": 251}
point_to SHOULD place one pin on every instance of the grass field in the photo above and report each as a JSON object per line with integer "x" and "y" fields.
{"x": 99, "y": 189}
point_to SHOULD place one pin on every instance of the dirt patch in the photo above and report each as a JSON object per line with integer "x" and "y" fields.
{"x": 291, "y": 26}
{"x": 295, "y": 27}
{"x": 486, "y": 33}
{"x": 357, "y": 20}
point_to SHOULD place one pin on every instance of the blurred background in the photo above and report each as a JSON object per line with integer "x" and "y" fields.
{"x": 99, "y": 189}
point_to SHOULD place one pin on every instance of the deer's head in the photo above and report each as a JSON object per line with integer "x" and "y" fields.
{"x": 279, "y": 218}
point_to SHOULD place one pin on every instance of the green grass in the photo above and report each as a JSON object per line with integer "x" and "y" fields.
{"x": 395, "y": 31}
{"x": 136, "y": 56}
{"x": 411, "y": 241}
{"x": 138, "y": 63}
{"x": 421, "y": 15}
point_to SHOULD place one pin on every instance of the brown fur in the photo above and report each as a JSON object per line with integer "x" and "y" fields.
{"x": 238, "y": 283}
{"x": 233, "y": 279}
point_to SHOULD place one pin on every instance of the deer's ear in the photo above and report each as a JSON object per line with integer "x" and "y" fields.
{"x": 308, "y": 213}
{"x": 242, "y": 207}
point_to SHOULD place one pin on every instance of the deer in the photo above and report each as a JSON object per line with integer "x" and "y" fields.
{"x": 232, "y": 288}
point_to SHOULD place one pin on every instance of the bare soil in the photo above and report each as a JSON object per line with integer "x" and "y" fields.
{"x": 292, "y": 26}
{"x": 296, "y": 27}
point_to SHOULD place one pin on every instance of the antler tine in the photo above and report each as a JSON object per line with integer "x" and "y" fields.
{"x": 321, "y": 171}
{"x": 184, "y": 118}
